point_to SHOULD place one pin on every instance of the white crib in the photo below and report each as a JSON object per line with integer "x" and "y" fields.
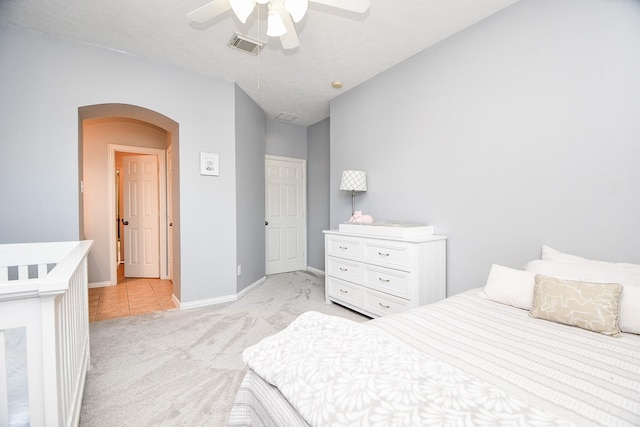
{"x": 44, "y": 332}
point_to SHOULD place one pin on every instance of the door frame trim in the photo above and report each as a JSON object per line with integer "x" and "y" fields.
{"x": 162, "y": 197}
{"x": 304, "y": 203}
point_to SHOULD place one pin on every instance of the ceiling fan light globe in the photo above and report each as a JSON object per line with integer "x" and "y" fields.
{"x": 275, "y": 26}
{"x": 296, "y": 8}
{"x": 242, "y": 8}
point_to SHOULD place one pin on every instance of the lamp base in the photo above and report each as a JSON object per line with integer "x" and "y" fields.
{"x": 353, "y": 203}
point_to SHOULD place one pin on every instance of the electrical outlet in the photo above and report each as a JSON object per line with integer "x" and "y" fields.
{"x": 239, "y": 269}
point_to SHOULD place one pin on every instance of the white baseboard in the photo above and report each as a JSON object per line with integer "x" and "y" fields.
{"x": 315, "y": 271}
{"x": 251, "y": 287}
{"x": 100, "y": 284}
{"x": 176, "y": 301}
{"x": 206, "y": 302}
{"x": 219, "y": 300}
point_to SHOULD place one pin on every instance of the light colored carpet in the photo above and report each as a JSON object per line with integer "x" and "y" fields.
{"x": 183, "y": 368}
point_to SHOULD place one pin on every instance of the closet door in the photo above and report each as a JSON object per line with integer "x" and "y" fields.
{"x": 285, "y": 227}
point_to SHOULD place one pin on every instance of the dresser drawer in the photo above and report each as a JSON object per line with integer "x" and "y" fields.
{"x": 382, "y": 304}
{"x": 379, "y": 275}
{"x": 394, "y": 282}
{"x": 344, "y": 248}
{"x": 344, "y": 291}
{"x": 390, "y": 255}
{"x": 344, "y": 269}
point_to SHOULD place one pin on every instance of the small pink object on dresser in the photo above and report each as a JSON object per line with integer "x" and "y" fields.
{"x": 358, "y": 218}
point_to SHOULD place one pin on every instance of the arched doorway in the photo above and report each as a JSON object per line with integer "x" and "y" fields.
{"x": 101, "y": 216}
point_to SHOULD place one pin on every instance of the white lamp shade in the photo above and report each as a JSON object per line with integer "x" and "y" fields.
{"x": 296, "y": 8}
{"x": 275, "y": 26}
{"x": 242, "y": 8}
{"x": 353, "y": 181}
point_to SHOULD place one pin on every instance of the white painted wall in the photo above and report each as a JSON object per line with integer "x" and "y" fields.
{"x": 520, "y": 131}
{"x": 43, "y": 82}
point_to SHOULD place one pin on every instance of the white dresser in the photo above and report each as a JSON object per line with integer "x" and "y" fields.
{"x": 378, "y": 275}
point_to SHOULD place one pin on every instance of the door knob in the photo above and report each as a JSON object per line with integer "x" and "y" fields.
{"x": 125, "y": 222}
{"x": 266, "y": 223}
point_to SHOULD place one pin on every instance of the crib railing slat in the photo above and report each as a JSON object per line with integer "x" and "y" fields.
{"x": 42, "y": 271}
{"x": 23, "y": 272}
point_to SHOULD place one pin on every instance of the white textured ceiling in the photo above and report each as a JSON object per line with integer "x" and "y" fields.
{"x": 334, "y": 44}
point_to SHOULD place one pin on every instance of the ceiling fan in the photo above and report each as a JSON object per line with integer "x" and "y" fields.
{"x": 282, "y": 14}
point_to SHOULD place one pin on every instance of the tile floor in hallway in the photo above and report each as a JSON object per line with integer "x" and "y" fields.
{"x": 129, "y": 297}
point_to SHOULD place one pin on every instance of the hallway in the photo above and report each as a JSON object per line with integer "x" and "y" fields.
{"x": 131, "y": 296}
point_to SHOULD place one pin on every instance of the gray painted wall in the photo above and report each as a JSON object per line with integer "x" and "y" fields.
{"x": 250, "y": 137}
{"x": 520, "y": 131}
{"x": 43, "y": 82}
{"x": 286, "y": 140}
{"x": 317, "y": 191}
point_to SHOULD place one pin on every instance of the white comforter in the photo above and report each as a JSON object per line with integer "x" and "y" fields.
{"x": 463, "y": 361}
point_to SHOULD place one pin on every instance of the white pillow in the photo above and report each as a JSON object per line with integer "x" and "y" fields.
{"x": 550, "y": 254}
{"x": 600, "y": 272}
{"x": 509, "y": 286}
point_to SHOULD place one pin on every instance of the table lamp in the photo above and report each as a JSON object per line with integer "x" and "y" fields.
{"x": 353, "y": 181}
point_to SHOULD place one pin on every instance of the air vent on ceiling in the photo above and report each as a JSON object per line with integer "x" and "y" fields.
{"x": 286, "y": 117}
{"x": 246, "y": 44}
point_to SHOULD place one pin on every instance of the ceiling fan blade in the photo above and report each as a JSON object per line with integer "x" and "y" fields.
{"x": 289, "y": 39}
{"x": 359, "y": 6}
{"x": 209, "y": 11}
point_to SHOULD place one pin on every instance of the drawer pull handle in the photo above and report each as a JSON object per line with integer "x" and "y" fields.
{"x": 343, "y": 291}
{"x": 384, "y": 306}
{"x": 383, "y": 280}
{"x": 343, "y": 247}
{"x": 344, "y": 269}
{"x": 383, "y": 254}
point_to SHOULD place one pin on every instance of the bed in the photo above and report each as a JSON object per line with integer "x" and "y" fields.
{"x": 488, "y": 356}
{"x": 44, "y": 332}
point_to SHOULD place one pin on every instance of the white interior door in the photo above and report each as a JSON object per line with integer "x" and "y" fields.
{"x": 141, "y": 216}
{"x": 285, "y": 228}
